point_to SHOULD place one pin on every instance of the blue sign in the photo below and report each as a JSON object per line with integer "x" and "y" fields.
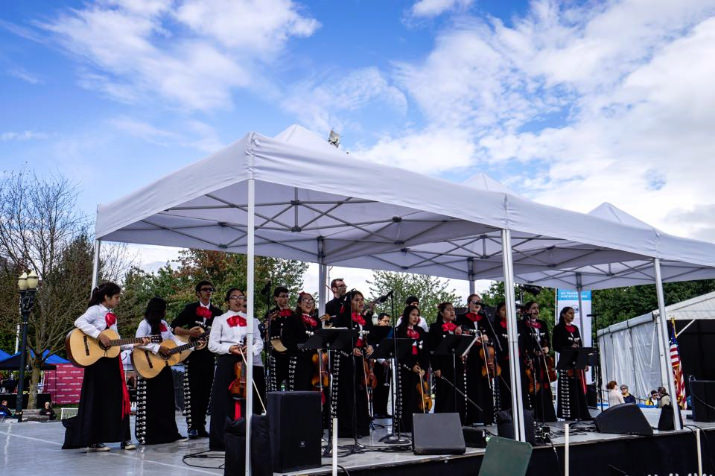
{"x": 572, "y": 295}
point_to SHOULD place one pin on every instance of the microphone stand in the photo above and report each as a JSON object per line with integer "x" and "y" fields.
{"x": 392, "y": 438}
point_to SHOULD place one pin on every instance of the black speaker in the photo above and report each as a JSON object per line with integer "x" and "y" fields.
{"x": 591, "y": 395}
{"x": 505, "y": 425}
{"x": 235, "y": 441}
{"x": 623, "y": 419}
{"x": 474, "y": 437}
{"x": 295, "y": 430}
{"x": 437, "y": 434}
{"x": 703, "y": 398}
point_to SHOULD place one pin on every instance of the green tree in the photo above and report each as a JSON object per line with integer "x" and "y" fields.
{"x": 429, "y": 290}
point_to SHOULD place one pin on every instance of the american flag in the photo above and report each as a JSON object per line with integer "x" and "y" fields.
{"x": 677, "y": 370}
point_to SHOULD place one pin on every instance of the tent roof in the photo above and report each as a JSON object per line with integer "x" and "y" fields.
{"x": 13, "y": 362}
{"x": 699, "y": 307}
{"x": 316, "y": 203}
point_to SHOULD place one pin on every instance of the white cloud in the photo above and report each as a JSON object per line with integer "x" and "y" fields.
{"x": 24, "y": 75}
{"x": 330, "y": 102}
{"x": 433, "y": 8}
{"x": 191, "y": 54}
{"x": 22, "y": 136}
{"x": 192, "y": 133}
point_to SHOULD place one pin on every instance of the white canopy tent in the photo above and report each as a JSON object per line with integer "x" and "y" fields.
{"x": 629, "y": 349}
{"x": 294, "y": 197}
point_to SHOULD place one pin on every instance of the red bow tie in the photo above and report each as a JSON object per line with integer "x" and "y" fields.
{"x": 570, "y": 328}
{"x": 358, "y": 318}
{"x": 309, "y": 321}
{"x": 204, "y": 312}
{"x": 503, "y": 323}
{"x": 162, "y": 328}
{"x": 285, "y": 313}
{"x": 473, "y": 317}
{"x": 110, "y": 319}
{"x": 534, "y": 324}
{"x": 236, "y": 320}
{"x": 413, "y": 334}
{"x": 449, "y": 327}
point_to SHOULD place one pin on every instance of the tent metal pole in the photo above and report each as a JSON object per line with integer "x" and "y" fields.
{"x": 516, "y": 399}
{"x": 322, "y": 274}
{"x": 579, "y": 289}
{"x": 663, "y": 320}
{"x": 661, "y": 350}
{"x": 470, "y": 274}
{"x": 95, "y": 266}
{"x": 250, "y": 283}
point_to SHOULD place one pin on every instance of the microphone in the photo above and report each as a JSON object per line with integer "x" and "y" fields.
{"x": 384, "y": 298}
{"x": 266, "y": 289}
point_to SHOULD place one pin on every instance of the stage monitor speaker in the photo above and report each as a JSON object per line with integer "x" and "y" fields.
{"x": 474, "y": 437}
{"x": 703, "y": 398}
{"x": 623, "y": 419}
{"x": 437, "y": 434}
{"x": 295, "y": 430}
{"x": 235, "y": 441}
{"x": 505, "y": 425}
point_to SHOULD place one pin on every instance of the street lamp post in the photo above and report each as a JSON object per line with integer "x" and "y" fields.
{"x": 28, "y": 286}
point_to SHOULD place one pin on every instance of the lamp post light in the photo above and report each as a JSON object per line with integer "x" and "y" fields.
{"x": 27, "y": 283}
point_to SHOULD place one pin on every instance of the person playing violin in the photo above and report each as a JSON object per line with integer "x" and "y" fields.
{"x": 535, "y": 346}
{"x": 571, "y": 396}
{"x": 475, "y": 377}
{"x": 381, "y": 369}
{"x": 443, "y": 366}
{"x": 295, "y": 331}
{"x": 349, "y": 371}
{"x": 228, "y": 340}
{"x": 413, "y": 369}
{"x": 278, "y": 361}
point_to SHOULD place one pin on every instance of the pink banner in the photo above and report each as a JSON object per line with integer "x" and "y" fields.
{"x": 64, "y": 384}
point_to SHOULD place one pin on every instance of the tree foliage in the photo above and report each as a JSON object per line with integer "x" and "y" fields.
{"x": 428, "y": 289}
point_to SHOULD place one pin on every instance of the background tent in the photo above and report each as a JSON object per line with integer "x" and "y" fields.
{"x": 629, "y": 349}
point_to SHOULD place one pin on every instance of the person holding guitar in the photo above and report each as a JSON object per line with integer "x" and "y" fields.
{"x": 155, "y": 421}
{"x": 228, "y": 341}
{"x": 414, "y": 392}
{"x": 193, "y": 321}
{"x": 104, "y": 407}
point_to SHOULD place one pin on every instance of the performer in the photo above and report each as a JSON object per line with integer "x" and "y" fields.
{"x": 155, "y": 422}
{"x": 535, "y": 345}
{"x": 571, "y": 402}
{"x": 447, "y": 400}
{"x": 104, "y": 407}
{"x": 295, "y": 331}
{"x": 412, "y": 367}
{"x": 381, "y": 369}
{"x": 195, "y": 319}
{"x": 475, "y": 383}
{"x": 333, "y": 307}
{"x": 349, "y": 392}
{"x": 228, "y": 340}
{"x": 278, "y": 359}
{"x": 502, "y": 397}
{"x": 414, "y": 301}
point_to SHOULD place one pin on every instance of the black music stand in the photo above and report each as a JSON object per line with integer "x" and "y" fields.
{"x": 577, "y": 358}
{"x": 393, "y": 348}
{"x": 453, "y": 344}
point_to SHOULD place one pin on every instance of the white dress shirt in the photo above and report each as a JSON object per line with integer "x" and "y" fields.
{"x": 93, "y": 322}
{"x": 223, "y": 336}
{"x": 144, "y": 330}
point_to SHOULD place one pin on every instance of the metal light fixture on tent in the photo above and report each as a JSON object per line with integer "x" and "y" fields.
{"x": 334, "y": 139}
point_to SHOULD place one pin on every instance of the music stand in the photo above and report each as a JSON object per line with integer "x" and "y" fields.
{"x": 454, "y": 344}
{"x": 393, "y": 348}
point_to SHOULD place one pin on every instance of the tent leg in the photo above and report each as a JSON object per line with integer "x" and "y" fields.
{"x": 516, "y": 400}
{"x": 322, "y": 274}
{"x": 663, "y": 321}
{"x": 250, "y": 283}
{"x": 95, "y": 266}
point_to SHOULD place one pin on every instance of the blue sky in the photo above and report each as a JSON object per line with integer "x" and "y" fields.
{"x": 567, "y": 103}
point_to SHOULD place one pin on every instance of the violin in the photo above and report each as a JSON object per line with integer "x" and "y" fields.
{"x": 368, "y": 367}
{"x": 550, "y": 368}
{"x": 237, "y": 388}
{"x": 320, "y": 372}
{"x": 424, "y": 403}
{"x": 492, "y": 367}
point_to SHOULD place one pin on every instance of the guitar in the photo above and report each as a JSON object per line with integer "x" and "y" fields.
{"x": 201, "y": 341}
{"x": 149, "y": 365}
{"x": 84, "y": 350}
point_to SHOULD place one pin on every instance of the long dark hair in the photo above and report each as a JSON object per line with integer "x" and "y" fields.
{"x": 104, "y": 290}
{"x": 406, "y": 317}
{"x": 155, "y": 312}
{"x": 440, "y": 309}
{"x": 527, "y": 306}
{"x": 564, "y": 311}
{"x": 496, "y": 310}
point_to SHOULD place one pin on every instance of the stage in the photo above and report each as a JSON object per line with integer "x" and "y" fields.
{"x": 35, "y": 448}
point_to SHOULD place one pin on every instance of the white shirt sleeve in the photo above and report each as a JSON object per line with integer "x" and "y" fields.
{"x": 144, "y": 330}
{"x": 87, "y": 322}
{"x": 257, "y": 341}
{"x": 218, "y": 334}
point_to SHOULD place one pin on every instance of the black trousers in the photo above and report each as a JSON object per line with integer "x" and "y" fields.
{"x": 201, "y": 376}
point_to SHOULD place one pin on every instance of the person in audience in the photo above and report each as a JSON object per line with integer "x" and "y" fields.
{"x": 627, "y": 397}
{"x": 5, "y": 410}
{"x": 614, "y": 396}
{"x": 47, "y": 410}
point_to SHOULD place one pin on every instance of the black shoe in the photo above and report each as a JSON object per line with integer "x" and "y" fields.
{"x": 193, "y": 434}
{"x": 203, "y": 433}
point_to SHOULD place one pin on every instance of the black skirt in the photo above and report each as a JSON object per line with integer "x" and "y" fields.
{"x": 156, "y": 418}
{"x": 223, "y": 405}
{"x": 99, "y": 417}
